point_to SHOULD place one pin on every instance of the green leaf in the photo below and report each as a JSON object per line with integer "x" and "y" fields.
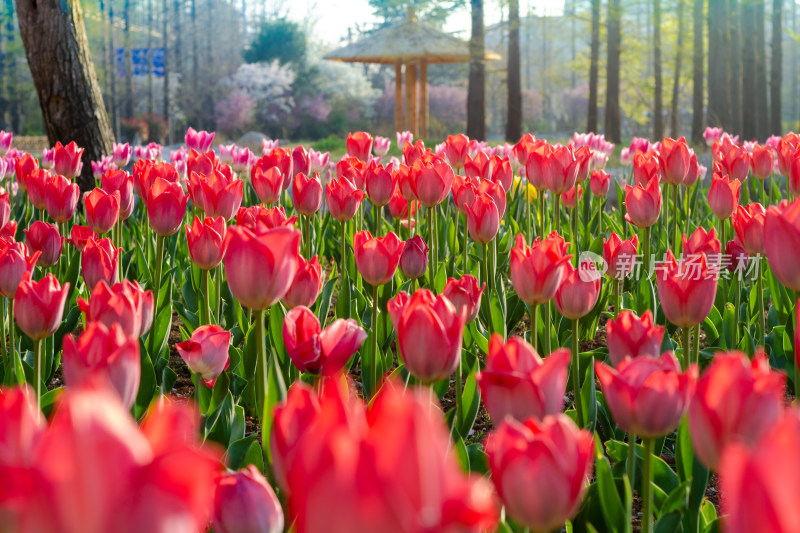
{"x": 614, "y": 515}
{"x": 160, "y": 330}
{"x": 677, "y": 500}
{"x": 471, "y": 395}
{"x": 497, "y": 316}
{"x": 217, "y": 427}
{"x": 478, "y": 460}
{"x": 49, "y": 399}
{"x": 246, "y": 451}
{"x": 589, "y": 398}
{"x": 325, "y": 301}
{"x": 147, "y": 382}
{"x": 668, "y": 523}
{"x": 462, "y": 454}
{"x": 441, "y": 279}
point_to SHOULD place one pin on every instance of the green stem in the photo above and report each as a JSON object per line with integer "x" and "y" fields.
{"x": 218, "y": 291}
{"x": 12, "y": 345}
{"x": 431, "y": 243}
{"x": 6, "y": 352}
{"x": 306, "y": 238}
{"x": 576, "y": 371}
{"x": 262, "y": 378}
{"x": 205, "y": 310}
{"x": 547, "y": 343}
{"x": 528, "y": 216}
{"x": 466, "y": 246}
{"x": 379, "y": 220}
{"x": 696, "y": 345}
{"x": 617, "y": 296}
{"x": 342, "y": 258}
{"x": 541, "y": 214}
{"x": 37, "y": 370}
{"x": 687, "y": 350}
{"x": 675, "y": 214}
{"x": 532, "y": 334}
{"x": 557, "y": 214}
{"x": 459, "y": 400}
{"x": 737, "y": 298}
{"x": 156, "y": 287}
{"x": 647, "y": 486}
{"x": 198, "y": 380}
{"x": 587, "y": 208}
{"x": 760, "y": 305}
{"x": 485, "y": 266}
{"x": 374, "y": 351}
{"x": 631, "y": 463}
{"x": 575, "y": 236}
{"x": 646, "y": 245}
{"x": 492, "y": 265}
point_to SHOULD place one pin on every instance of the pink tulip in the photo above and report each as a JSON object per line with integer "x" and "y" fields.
{"x": 380, "y": 184}
{"x": 102, "y": 209}
{"x": 782, "y": 243}
{"x": 67, "y": 160}
{"x": 198, "y": 140}
{"x": 536, "y": 272}
{"x": 342, "y": 198}
{"x": 207, "y": 242}
{"x": 359, "y": 145}
{"x": 431, "y": 180}
{"x": 306, "y": 284}
{"x": 61, "y": 198}
{"x": 206, "y": 352}
{"x": 748, "y": 221}
{"x": 674, "y": 160}
{"x": 44, "y": 238}
{"x": 14, "y": 262}
{"x": 268, "y": 183}
{"x": 562, "y": 170}
{"x": 517, "y": 383}
{"x": 377, "y": 257}
{"x": 647, "y": 396}
{"x": 723, "y": 196}
{"x": 483, "y": 219}
{"x": 686, "y": 290}
{"x": 578, "y": 292}
{"x": 245, "y": 503}
{"x": 643, "y": 205}
{"x": 124, "y": 303}
{"x": 599, "y": 183}
{"x": 39, "y": 305}
{"x": 307, "y": 194}
{"x": 414, "y": 258}
{"x": 465, "y": 295}
{"x": 100, "y": 262}
{"x": 119, "y": 180}
{"x": 166, "y": 207}
{"x": 630, "y": 337}
{"x": 122, "y": 154}
{"x": 319, "y": 351}
{"x": 619, "y": 255}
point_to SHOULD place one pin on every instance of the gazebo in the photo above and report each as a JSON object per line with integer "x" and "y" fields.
{"x": 410, "y": 45}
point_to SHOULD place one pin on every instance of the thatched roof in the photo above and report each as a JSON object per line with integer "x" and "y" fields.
{"x": 406, "y": 41}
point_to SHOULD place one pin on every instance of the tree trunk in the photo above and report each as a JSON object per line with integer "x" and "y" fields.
{"x": 514, "y": 117}
{"x": 165, "y": 30}
{"x": 63, "y": 73}
{"x": 113, "y": 62}
{"x": 128, "y": 62}
{"x": 735, "y": 65}
{"x": 613, "y": 122}
{"x": 476, "y": 92}
{"x": 775, "y": 110}
{"x": 750, "y": 115}
{"x": 177, "y": 22}
{"x": 150, "y": 29}
{"x": 3, "y": 80}
{"x": 674, "y": 118}
{"x": 697, "y": 67}
{"x": 591, "y": 118}
{"x": 718, "y": 64}
{"x": 761, "y": 74}
{"x": 658, "y": 104}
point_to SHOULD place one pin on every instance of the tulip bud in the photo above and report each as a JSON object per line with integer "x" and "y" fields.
{"x": 307, "y": 194}
{"x": 306, "y": 284}
{"x": 782, "y": 244}
{"x": 578, "y": 292}
{"x": 206, "y": 352}
{"x": 483, "y": 219}
{"x": 207, "y": 243}
{"x": 599, "y": 183}
{"x": 377, "y": 257}
{"x": 245, "y": 503}
{"x": 100, "y": 262}
{"x": 465, "y": 295}
{"x": 359, "y": 145}
{"x": 536, "y": 272}
{"x": 748, "y": 221}
{"x": 61, "y": 198}
{"x": 44, "y": 237}
{"x": 723, "y": 196}
{"x": 39, "y": 306}
{"x": 630, "y": 336}
{"x": 643, "y": 205}
{"x": 414, "y": 258}
{"x": 102, "y": 209}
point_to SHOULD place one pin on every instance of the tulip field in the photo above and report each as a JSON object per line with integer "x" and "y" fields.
{"x": 452, "y": 338}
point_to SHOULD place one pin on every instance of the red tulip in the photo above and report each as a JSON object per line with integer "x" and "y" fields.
{"x": 536, "y": 162}
{"x": 359, "y": 144}
{"x": 517, "y": 383}
{"x": 793, "y": 180}
{"x": 412, "y": 152}
{"x": 245, "y": 503}
{"x": 583, "y": 156}
{"x": 736, "y": 400}
{"x": 123, "y": 303}
{"x": 536, "y": 272}
{"x": 702, "y": 242}
{"x": 578, "y": 292}
{"x": 456, "y": 148}
{"x": 354, "y": 170}
{"x": 36, "y": 182}
{"x": 207, "y": 242}
{"x": 733, "y": 161}
{"x": 464, "y": 192}
{"x": 100, "y": 262}
{"x": 67, "y": 160}
{"x": 268, "y": 183}
{"x": 674, "y": 160}
{"x": 762, "y": 162}
{"x": 44, "y": 237}
{"x": 379, "y": 184}
{"x": 599, "y": 183}
{"x": 465, "y": 295}
{"x": 9, "y": 230}
{"x": 431, "y": 180}
{"x": 258, "y": 218}
{"x": 107, "y": 354}
{"x": 283, "y": 160}
{"x": 399, "y": 206}
{"x": 694, "y": 172}
{"x": 97, "y": 471}
{"x": 307, "y": 194}
{"x": 686, "y": 290}
{"x": 761, "y": 483}
{"x": 61, "y": 198}
{"x": 737, "y": 259}
{"x": 414, "y": 483}
{"x": 429, "y": 332}
{"x": 619, "y": 255}
{"x": 22, "y": 427}
{"x": 206, "y": 352}
{"x": 568, "y": 198}
{"x": 541, "y": 469}
{"x": 377, "y": 257}
{"x": 39, "y": 305}
{"x": 145, "y": 173}
{"x": 562, "y": 170}
{"x": 201, "y": 162}
{"x": 23, "y": 166}
{"x": 647, "y": 396}
{"x": 748, "y": 221}
{"x": 496, "y": 192}
{"x": 495, "y": 169}
{"x": 782, "y": 243}
{"x": 198, "y": 140}
{"x": 166, "y": 206}
{"x": 315, "y": 350}
{"x": 723, "y": 196}
{"x": 119, "y": 180}
{"x": 342, "y": 199}
{"x": 260, "y": 267}
{"x": 79, "y": 236}
{"x": 630, "y": 337}
{"x": 414, "y": 258}
{"x": 102, "y": 209}
{"x": 221, "y": 194}
{"x": 646, "y": 166}
{"x": 306, "y": 284}
{"x": 14, "y": 262}
{"x": 643, "y": 205}
{"x": 787, "y": 149}
{"x": 5, "y": 209}
{"x": 483, "y": 219}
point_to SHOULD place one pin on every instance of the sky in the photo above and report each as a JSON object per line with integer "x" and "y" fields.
{"x": 334, "y": 17}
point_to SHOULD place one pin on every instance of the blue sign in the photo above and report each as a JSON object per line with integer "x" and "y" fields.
{"x": 140, "y": 61}
{"x": 158, "y": 61}
{"x": 119, "y": 62}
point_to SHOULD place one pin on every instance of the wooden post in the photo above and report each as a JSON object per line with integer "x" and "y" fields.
{"x": 423, "y": 99}
{"x": 398, "y": 97}
{"x": 411, "y": 123}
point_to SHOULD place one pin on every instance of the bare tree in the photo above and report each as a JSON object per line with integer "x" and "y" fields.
{"x": 697, "y": 72}
{"x": 718, "y": 64}
{"x": 514, "y": 118}
{"x": 591, "y": 118}
{"x": 776, "y": 69}
{"x": 675, "y": 111}
{"x": 113, "y": 71}
{"x": 750, "y": 116}
{"x": 63, "y": 73}
{"x": 735, "y": 66}
{"x": 658, "y": 105}
{"x": 761, "y": 72}
{"x": 613, "y": 121}
{"x": 128, "y": 64}
{"x": 476, "y": 91}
